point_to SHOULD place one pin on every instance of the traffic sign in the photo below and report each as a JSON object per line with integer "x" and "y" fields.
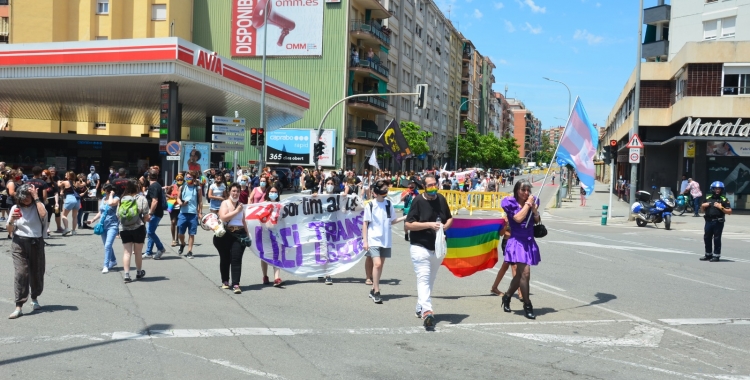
{"x": 227, "y": 147}
{"x": 635, "y": 142}
{"x": 228, "y": 120}
{"x": 227, "y": 129}
{"x": 635, "y": 156}
{"x": 173, "y": 148}
{"x": 173, "y": 158}
{"x": 228, "y": 138}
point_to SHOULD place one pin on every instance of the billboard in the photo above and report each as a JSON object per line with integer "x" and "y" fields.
{"x": 295, "y": 28}
{"x": 728, "y": 148}
{"x": 289, "y": 146}
{"x": 195, "y": 156}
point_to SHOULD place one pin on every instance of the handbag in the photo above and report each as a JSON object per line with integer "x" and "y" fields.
{"x": 540, "y": 231}
{"x": 99, "y": 227}
{"x": 440, "y": 245}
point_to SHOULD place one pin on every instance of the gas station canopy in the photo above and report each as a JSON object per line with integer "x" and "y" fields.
{"x": 118, "y": 81}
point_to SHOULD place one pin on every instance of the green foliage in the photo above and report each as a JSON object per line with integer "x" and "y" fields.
{"x": 485, "y": 150}
{"x": 544, "y": 155}
{"x": 415, "y": 137}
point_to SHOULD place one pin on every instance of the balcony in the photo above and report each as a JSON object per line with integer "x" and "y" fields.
{"x": 657, "y": 14}
{"x": 366, "y": 134}
{"x": 369, "y": 31}
{"x": 373, "y": 67}
{"x": 376, "y": 8}
{"x": 655, "y": 49}
{"x": 369, "y": 103}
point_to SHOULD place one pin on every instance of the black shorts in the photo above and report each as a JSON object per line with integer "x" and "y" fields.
{"x": 174, "y": 214}
{"x": 137, "y": 236}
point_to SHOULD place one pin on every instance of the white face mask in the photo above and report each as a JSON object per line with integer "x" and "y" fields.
{"x": 329, "y": 188}
{"x": 273, "y": 196}
{"x": 235, "y": 199}
{"x": 111, "y": 171}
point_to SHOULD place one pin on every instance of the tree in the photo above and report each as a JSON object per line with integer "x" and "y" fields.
{"x": 544, "y": 155}
{"x": 468, "y": 146}
{"x": 415, "y": 137}
{"x": 485, "y": 150}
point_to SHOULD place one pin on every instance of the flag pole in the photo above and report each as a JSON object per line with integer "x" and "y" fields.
{"x": 554, "y": 157}
{"x": 375, "y": 147}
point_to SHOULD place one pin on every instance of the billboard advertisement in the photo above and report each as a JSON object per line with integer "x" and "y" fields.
{"x": 295, "y": 27}
{"x": 195, "y": 156}
{"x": 296, "y": 146}
{"x": 728, "y": 148}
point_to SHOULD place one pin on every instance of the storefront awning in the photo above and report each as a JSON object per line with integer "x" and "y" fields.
{"x": 118, "y": 81}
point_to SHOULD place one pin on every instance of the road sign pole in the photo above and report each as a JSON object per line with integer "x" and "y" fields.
{"x": 611, "y": 182}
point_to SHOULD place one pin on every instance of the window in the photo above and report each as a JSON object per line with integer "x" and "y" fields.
{"x": 736, "y": 80}
{"x": 709, "y": 30}
{"x": 102, "y": 7}
{"x": 727, "y": 26}
{"x": 159, "y": 12}
{"x": 102, "y": 38}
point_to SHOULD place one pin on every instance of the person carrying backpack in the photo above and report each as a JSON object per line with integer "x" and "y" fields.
{"x": 157, "y": 203}
{"x": 133, "y": 213}
{"x": 190, "y": 212}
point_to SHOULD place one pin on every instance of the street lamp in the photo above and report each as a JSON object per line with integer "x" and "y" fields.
{"x": 566, "y": 86}
{"x": 569, "y": 112}
{"x": 458, "y": 122}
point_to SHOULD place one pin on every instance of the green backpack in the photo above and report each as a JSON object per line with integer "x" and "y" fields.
{"x": 128, "y": 211}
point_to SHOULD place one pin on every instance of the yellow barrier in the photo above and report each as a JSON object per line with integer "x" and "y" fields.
{"x": 457, "y": 200}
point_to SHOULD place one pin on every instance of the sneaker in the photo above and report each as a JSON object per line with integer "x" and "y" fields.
{"x": 375, "y": 296}
{"x": 182, "y": 248}
{"x": 66, "y": 232}
{"x": 707, "y": 257}
{"x": 277, "y": 283}
{"x": 418, "y": 313}
{"x": 105, "y": 270}
{"x": 428, "y": 320}
{"x": 237, "y": 289}
{"x": 266, "y": 281}
{"x": 716, "y": 258}
{"x": 127, "y": 278}
{"x": 225, "y": 285}
{"x": 159, "y": 254}
{"x": 112, "y": 264}
{"x": 189, "y": 255}
{"x": 74, "y": 232}
{"x": 2, "y": 219}
{"x": 139, "y": 274}
{"x": 329, "y": 280}
{"x": 59, "y": 231}
{"x": 35, "y": 305}
{"x": 148, "y": 256}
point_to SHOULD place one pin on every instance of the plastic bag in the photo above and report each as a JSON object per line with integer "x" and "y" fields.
{"x": 440, "y": 246}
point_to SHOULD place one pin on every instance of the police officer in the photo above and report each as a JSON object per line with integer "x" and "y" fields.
{"x": 715, "y": 207}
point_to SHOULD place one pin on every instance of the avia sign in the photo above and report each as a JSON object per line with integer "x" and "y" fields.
{"x": 695, "y": 128}
{"x": 209, "y": 61}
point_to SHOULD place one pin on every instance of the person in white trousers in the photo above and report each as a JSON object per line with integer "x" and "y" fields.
{"x": 427, "y": 212}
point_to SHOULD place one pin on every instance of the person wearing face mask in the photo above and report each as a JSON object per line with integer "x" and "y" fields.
{"x": 217, "y": 194}
{"x": 229, "y": 246}
{"x": 428, "y": 211}
{"x": 172, "y": 192}
{"x": 189, "y": 199}
{"x": 112, "y": 175}
{"x": 271, "y": 196}
{"x": 329, "y": 187}
{"x": 258, "y": 193}
{"x": 244, "y": 190}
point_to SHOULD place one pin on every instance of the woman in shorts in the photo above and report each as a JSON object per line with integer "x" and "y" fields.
{"x": 133, "y": 229}
{"x": 173, "y": 192}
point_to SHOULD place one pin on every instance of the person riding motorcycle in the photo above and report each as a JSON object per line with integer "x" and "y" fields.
{"x": 716, "y": 207}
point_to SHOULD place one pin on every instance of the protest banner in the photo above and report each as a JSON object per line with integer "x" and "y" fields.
{"x": 308, "y": 236}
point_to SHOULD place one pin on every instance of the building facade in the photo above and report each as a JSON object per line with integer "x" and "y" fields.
{"x": 695, "y": 105}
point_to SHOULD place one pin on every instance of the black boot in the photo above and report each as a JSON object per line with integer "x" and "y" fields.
{"x": 506, "y": 303}
{"x": 529, "y": 311}
{"x": 707, "y": 257}
{"x": 715, "y": 258}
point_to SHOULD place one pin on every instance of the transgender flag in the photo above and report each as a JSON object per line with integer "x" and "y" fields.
{"x": 578, "y": 146}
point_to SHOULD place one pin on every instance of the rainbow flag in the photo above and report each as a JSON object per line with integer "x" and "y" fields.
{"x": 170, "y": 204}
{"x": 472, "y": 245}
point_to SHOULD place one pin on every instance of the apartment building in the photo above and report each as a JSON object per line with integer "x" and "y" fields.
{"x": 555, "y": 134}
{"x": 695, "y": 95}
{"x": 486, "y": 80}
{"x": 527, "y": 129}
{"x": 4, "y": 21}
{"x": 507, "y": 120}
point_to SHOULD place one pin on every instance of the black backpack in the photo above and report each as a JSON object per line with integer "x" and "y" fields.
{"x": 387, "y": 207}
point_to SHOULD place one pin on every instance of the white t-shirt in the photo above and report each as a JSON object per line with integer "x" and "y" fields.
{"x": 30, "y": 224}
{"x": 379, "y": 225}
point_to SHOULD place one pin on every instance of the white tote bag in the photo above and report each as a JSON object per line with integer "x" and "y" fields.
{"x": 440, "y": 245}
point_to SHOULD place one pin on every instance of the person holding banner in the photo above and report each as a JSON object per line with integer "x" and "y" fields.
{"x": 329, "y": 187}
{"x": 271, "y": 196}
{"x": 425, "y": 216}
{"x": 376, "y": 235}
{"x": 521, "y": 249}
{"x": 230, "y": 245}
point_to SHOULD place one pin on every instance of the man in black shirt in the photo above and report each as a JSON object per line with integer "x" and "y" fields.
{"x": 428, "y": 211}
{"x": 715, "y": 207}
{"x": 120, "y": 182}
{"x": 155, "y": 198}
{"x": 39, "y": 183}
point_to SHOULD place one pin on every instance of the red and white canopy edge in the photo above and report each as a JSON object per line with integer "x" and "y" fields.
{"x": 118, "y": 81}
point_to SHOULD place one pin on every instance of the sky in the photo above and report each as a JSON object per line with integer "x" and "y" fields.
{"x": 590, "y": 45}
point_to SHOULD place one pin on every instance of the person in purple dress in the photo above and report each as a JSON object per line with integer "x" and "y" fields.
{"x": 521, "y": 248}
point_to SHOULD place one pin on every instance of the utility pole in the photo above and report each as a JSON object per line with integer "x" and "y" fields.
{"x": 637, "y": 110}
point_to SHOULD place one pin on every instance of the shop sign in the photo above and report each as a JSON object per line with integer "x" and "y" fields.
{"x": 689, "y": 149}
{"x": 695, "y": 128}
{"x": 210, "y": 62}
{"x": 728, "y": 148}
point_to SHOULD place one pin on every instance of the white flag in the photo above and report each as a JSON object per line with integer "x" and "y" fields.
{"x": 374, "y": 160}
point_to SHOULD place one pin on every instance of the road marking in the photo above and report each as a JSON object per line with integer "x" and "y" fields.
{"x": 225, "y": 363}
{"x": 639, "y": 336}
{"x": 706, "y": 321}
{"x": 700, "y": 282}
{"x": 619, "y": 247}
{"x": 258, "y": 331}
{"x": 595, "y": 256}
{"x": 549, "y": 286}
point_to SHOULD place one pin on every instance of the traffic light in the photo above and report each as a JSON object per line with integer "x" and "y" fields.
{"x": 420, "y": 100}
{"x": 607, "y": 154}
{"x": 261, "y": 137}
{"x": 254, "y": 136}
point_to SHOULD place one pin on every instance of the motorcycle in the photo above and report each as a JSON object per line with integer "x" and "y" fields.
{"x": 647, "y": 211}
{"x": 684, "y": 204}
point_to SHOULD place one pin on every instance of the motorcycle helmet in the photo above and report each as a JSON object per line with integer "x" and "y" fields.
{"x": 717, "y": 185}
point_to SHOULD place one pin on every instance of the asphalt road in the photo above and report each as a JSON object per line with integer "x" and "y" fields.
{"x": 614, "y": 302}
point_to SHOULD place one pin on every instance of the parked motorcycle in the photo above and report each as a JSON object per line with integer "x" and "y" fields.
{"x": 684, "y": 203}
{"x": 647, "y": 211}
